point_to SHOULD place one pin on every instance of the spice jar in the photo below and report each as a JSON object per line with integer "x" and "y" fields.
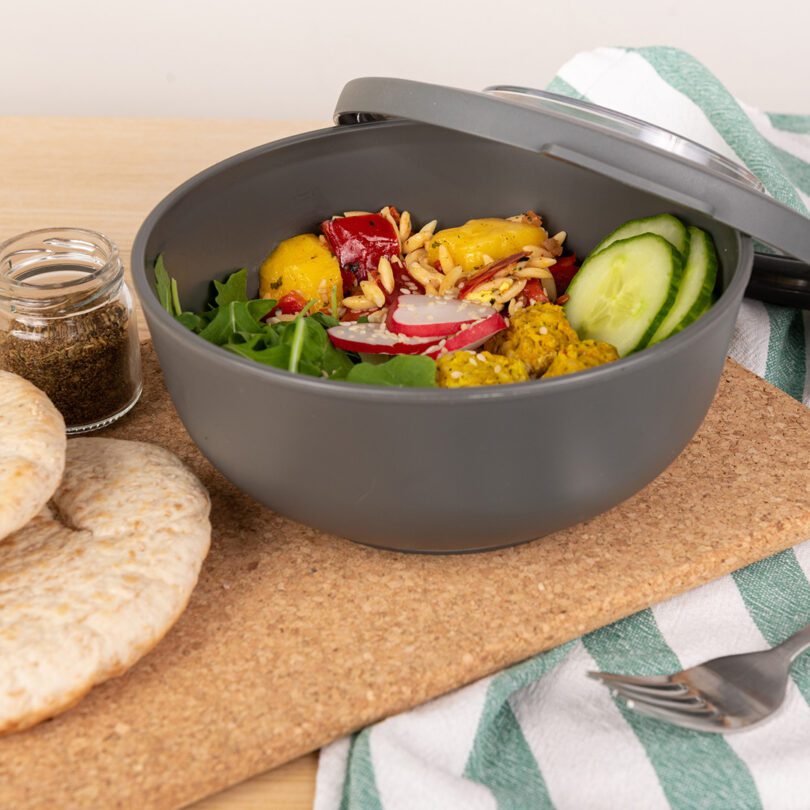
{"x": 67, "y": 323}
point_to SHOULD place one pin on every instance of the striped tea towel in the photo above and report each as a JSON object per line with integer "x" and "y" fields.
{"x": 541, "y": 734}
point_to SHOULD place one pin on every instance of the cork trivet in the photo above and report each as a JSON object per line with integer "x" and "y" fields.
{"x": 293, "y": 638}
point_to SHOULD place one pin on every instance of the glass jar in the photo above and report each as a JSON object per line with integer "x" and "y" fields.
{"x": 67, "y": 323}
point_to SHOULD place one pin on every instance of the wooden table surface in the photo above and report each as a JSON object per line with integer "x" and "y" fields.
{"x": 106, "y": 174}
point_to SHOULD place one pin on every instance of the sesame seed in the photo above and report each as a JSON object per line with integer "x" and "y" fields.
{"x": 497, "y": 368}
{"x": 543, "y": 330}
{"x": 456, "y": 375}
{"x": 481, "y": 357}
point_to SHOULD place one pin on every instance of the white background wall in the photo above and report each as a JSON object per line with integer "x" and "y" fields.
{"x": 248, "y": 58}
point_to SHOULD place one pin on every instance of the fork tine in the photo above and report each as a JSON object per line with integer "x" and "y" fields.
{"x": 692, "y": 705}
{"x": 655, "y": 683}
{"x": 675, "y": 695}
{"x": 691, "y": 721}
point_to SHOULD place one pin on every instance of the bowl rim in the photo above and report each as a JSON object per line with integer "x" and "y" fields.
{"x": 160, "y": 318}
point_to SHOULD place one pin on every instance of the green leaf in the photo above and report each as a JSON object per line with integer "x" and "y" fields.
{"x": 333, "y": 302}
{"x": 237, "y": 324}
{"x": 238, "y": 316}
{"x": 192, "y": 321}
{"x": 258, "y": 348}
{"x": 232, "y": 290}
{"x": 315, "y": 347}
{"x": 297, "y": 343}
{"x": 404, "y": 370}
{"x": 336, "y": 363}
{"x": 176, "y": 308}
{"x": 373, "y": 359}
{"x": 326, "y": 321}
{"x": 163, "y": 285}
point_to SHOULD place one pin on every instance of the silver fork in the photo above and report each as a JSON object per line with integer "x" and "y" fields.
{"x": 721, "y": 695}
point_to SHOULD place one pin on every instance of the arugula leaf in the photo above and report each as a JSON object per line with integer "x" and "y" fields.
{"x": 260, "y": 349}
{"x": 232, "y": 290}
{"x": 315, "y": 347}
{"x": 333, "y": 303}
{"x": 404, "y": 370}
{"x": 163, "y": 285}
{"x": 373, "y": 359}
{"x": 237, "y": 316}
{"x": 178, "y": 310}
{"x": 192, "y": 321}
{"x": 326, "y": 321}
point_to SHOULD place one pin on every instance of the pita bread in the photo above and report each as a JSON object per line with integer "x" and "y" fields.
{"x": 32, "y": 451}
{"x": 98, "y": 577}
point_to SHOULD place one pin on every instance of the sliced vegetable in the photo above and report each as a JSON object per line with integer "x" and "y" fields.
{"x": 475, "y": 335}
{"x": 374, "y": 338}
{"x": 696, "y": 288}
{"x": 359, "y": 242}
{"x": 432, "y": 316}
{"x": 477, "y": 238}
{"x": 666, "y": 225}
{"x": 623, "y": 293}
{"x": 489, "y": 272}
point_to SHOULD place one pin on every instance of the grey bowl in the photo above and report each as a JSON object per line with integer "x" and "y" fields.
{"x": 422, "y": 470}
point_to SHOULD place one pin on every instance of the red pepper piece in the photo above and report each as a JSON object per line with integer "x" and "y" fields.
{"x": 534, "y": 292}
{"x": 290, "y": 303}
{"x": 563, "y": 271}
{"x": 359, "y": 242}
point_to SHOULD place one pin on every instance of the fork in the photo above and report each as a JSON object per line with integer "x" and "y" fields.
{"x": 721, "y": 695}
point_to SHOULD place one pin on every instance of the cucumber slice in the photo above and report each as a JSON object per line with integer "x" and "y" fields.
{"x": 621, "y": 294}
{"x": 697, "y": 286}
{"x": 666, "y": 225}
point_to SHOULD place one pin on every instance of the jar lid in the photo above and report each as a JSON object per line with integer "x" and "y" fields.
{"x": 631, "y": 151}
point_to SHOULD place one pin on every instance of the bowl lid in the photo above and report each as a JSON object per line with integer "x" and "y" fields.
{"x": 619, "y": 146}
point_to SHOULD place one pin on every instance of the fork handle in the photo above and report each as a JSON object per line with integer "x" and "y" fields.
{"x": 796, "y": 644}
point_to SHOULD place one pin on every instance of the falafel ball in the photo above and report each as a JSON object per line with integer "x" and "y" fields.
{"x": 535, "y": 335}
{"x": 464, "y": 369}
{"x": 581, "y": 355}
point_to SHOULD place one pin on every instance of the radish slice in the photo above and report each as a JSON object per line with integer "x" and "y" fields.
{"x": 476, "y": 334}
{"x": 432, "y": 316}
{"x": 374, "y": 338}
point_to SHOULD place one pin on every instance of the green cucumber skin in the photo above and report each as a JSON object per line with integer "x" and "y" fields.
{"x": 674, "y": 283}
{"x": 705, "y": 297}
{"x": 649, "y": 222}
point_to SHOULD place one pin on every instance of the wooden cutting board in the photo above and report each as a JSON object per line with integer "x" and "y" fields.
{"x": 293, "y": 638}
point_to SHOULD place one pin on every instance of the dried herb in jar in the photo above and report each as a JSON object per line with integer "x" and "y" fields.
{"x": 83, "y": 362}
{"x": 68, "y": 325}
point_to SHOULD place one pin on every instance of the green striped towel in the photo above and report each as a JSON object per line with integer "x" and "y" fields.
{"x": 541, "y": 734}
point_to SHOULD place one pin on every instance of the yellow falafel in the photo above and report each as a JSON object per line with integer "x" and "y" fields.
{"x": 535, "y": 335}
{"x": 464, "y": 369}
{"x": 581, "y": 355}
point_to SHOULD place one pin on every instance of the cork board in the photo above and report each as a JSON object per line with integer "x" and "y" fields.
{"x": 293, "y": 638}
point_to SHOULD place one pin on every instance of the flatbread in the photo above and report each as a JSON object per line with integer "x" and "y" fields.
{"x": 98, "y": 577}
{"x": 32, "y": 451}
